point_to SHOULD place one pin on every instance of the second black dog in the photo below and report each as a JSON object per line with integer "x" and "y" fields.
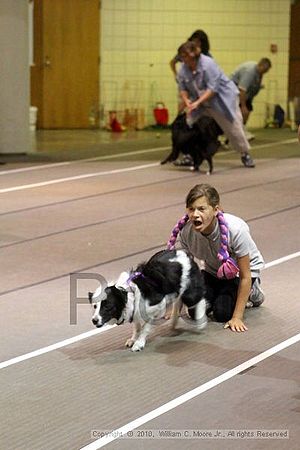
{"x": 200, "y": 141}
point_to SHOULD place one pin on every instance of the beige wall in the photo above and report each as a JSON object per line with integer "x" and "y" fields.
{"x": 139, "y": 37}
{"x": 14, "y": 76}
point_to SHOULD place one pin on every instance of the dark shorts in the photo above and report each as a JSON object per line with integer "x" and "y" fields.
{"x": 222, "y": 295}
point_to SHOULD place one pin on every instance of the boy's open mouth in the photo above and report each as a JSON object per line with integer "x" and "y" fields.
{"x": 197, "y": 222}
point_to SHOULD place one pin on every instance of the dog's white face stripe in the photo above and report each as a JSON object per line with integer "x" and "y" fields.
{"x": 97, "y": 317}
{"x": 96, "y": 314}
{"x": 98, "y": 296}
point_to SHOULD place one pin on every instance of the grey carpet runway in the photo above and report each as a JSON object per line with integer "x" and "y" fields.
{"x": 98, "y": 213}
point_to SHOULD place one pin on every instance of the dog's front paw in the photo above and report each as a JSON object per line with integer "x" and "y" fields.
{"x": 129, "y": 343}
{"x": 138, "y": 346}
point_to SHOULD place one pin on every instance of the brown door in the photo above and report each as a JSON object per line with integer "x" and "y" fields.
{"x": 294, "y": 67}
{"x": 65, "y": 77}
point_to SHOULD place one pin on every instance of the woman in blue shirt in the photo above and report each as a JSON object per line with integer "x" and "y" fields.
{"x": 206, "y": 90}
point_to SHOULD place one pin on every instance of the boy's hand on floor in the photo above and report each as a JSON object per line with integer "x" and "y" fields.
{"x": 236, "y": 325}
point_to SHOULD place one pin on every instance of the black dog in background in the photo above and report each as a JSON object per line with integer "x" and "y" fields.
{"x": 199, "y": 141}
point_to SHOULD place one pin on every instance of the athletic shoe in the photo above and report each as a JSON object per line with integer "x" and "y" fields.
{"x": 257, "y": 296}
{"x": 247, "y": 160}
{"x": 186, "y": 161}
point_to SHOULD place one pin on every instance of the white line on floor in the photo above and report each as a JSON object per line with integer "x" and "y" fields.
{"x": 269, "y": 144}
{"x": 118, "y": 155}
{"x": 96, "y": 158}
{"x": 50, "y": 348}
{"x": 272, "y": 144}
{"x": 282, "y": 260}
{"x": 99, "y": 443}
{"x": 76, "y": 177}
{"x": 79, "y": 337}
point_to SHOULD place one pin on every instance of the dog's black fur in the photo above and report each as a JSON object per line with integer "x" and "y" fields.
{"x": 142, "y": 296}
{"x": 200, "y": 141}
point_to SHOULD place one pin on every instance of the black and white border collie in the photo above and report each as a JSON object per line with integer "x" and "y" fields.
{"x": 142, "y": 296}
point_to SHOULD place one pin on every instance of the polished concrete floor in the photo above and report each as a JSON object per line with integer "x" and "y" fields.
{"x": 65, "y": 145}
{"x": 94, "y": 202}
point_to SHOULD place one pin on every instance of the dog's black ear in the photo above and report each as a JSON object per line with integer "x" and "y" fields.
{"x": 90, "y": 296}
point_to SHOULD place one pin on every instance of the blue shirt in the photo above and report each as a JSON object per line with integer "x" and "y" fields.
{"x": 208, "y": 75}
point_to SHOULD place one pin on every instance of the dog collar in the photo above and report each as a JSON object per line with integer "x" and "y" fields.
{"x": 135, "y": 275}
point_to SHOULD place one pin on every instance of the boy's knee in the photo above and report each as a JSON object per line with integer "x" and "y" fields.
{"x": 221, "y": 315}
